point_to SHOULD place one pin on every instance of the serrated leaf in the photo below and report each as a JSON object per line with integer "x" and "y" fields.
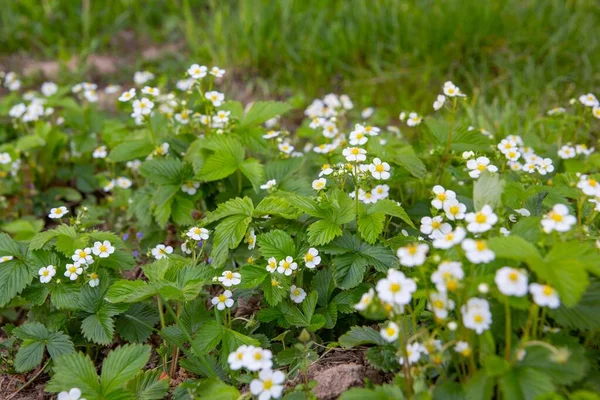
{"x": 228, "y": 235}
{"x": 585, "y": 314}
{"x": 135, "y": 324}
{"x": 254, "y": 171}
{"x": 323, "y": 232}
{"x": 242, "y": 206}
{"x": 408, "y": 159}
{"x": 361, "y": 335}
{"x": 207, "y": 338}
{"x": 276, "y": 243}
{"x": 75, "y": 370}
{"x": 163, "y": 171}
{"x": 121, "y": 365}
{"x": 487, "y": 190}
{"x": 98, "y": 328}
{"x": 261, "y": 111}
{"x": 147, "y": 385}
{"x": 383, "y": 358}
{"x": 276, "y": 206}
{"x": 525, "y": 384}
{"x": 131, "y": 149}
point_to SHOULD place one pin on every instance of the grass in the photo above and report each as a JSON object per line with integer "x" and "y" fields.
{"x": 385, "y": 51}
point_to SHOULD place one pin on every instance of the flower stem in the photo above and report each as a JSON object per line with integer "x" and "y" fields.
{"x": 508, "y": 331}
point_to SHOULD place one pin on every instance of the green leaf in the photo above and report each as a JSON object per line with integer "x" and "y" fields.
{"x": 384, "y": 392}
{"x": 122, "y": 364}
{"x": 371, "y": 226}
{"x": 147, "y": 385}
{"x": 391, "y": 208}
{"x": 515, "y": 248}
{"x": 323, "y": 232}
{"x": 242, "y": 206}
{"x": 212, "y": 389}
{"x": 349, "y": 270}
{"x": 29, "y": 356}
{"x": 276, "y": 243}
{"x": 276, "y": 206}
{"x": 98, "y": 328}
{"x": 525, "y": 384}
{"x": 305, "y": 318}
{"x": 228, "y": 235}
{"x": 361, "y": 335}
{"x": 262, "y": 111}
{"x": 487, "y": 190}
{"x": 408, "y": 159}
{"x": 15, "y": 274}
{"x": 254, "y": 171}
{"x": 383, "y": 358}
{"x": 584, "y": 315}
{"x": 75, "y": 370}
{"x": 135, "y": 324}
{"x": 163, "y": 171}
{"x": 36, "y": 338}
{"x": 227, "y": 157}
{"x": 207, "y": 338}
{"x": 571, "y": 371}
{"x": 131, "y": 149}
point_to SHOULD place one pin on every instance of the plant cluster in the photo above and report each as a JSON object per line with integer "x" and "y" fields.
{"x": 192, "y": 233}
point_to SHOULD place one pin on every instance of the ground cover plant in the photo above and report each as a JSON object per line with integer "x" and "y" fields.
{"x": 425, "y": 228}
{"x": 199, "y": 233}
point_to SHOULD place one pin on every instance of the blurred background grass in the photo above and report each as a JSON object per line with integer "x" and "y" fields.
{"x": 378, "y": 51}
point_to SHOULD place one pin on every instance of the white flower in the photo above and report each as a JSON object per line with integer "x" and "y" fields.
{"x": 481, "y": 221}
{"x": 161, "y": 150}
{"x": 83, "y": 256}
{"x": 367, "y": 112}
{"x": 109, "y": 185}
{"x": 413, "y": 351}
{"x": 103, "y": 249}
{"x": 142, "y": 107}
{"x": 454, "y": 209}
{"x": 229, "y": 278}
{"x": 381, "y": 191}
{"x": 566, "y": 152}
{"x": 545, "y": 166}
{"x": 190, "y": 187}
{"x": 128, "y": 95}
{"x": 217, "y": 72}
{"x": 365, "y": 300}
{"x": 582, "y": 148}
{"x": 223, "y": 300}
{"x": 5, "y": 259}
{"x": 312, "y": 258}
{"x": 73, "y": 394}
{"x": 396, "y": 288}
{"x": 197, "y": 71}
{"x": 5, "y": 158}
{"x": 183, "y": 117}
{"x": 272, "y": 264}
{"x": 73, "y": 271}
{"x": 477, "y": 251}
{"x": 556, "y": 111}
{"x": 544, "y": 295}
{"x": 287, "y": 266}
{"x": 413, "y": 119}
{"x": 507, "y": 145}
{"x": 46, "y": 273}
{"x": 355, "y": 154}
{"x": 439, "y": 103}
{"x": 161, "y": 251}
{"x": 256, "y": 359}
{"x": 151, "y": 91}
{"x": 91, "y": 96}
{"x": 100, "y": 152}
{"x": 558, "y": 219}
{"x": 447, "y": 276}
{"x": 269, "y": 184}
{"x": 379, "y": 169}
{"x": 112, "y": 89}
{"x": 271, "y": 134}
{"x": 434, "y": 227}
{"x": 463, "y": 348}
{"x": 58, "y": 212}
{"x": 413, "y": 254}
{"x": 18, "y": 110}
{"x": 251, "y": 240}
{"x": 269, "y": 384}
{"x": 94, "y": 279}
{"x": 476, "y": 315}
{"x": 49, "y": 88}
{"x": 589, "y": 186}
{"x": 479, "y": 165}
{"x": 297, "y": 294}
{"x": 123, "y": 183}
{"x": 358, "y": 137}
{"x": 185, "y": 249}
{"x": 402, "y": 116}
{"x": 325, "y": 170}
{"x": 440, "y": 304}
{"x": 390, "y": 332}
{"x": 451, "y": 90}
{"x": 511, "y": 282}
{"x": 141, "y": 77}
{"x": 216, "y": 98}
{"x": 196, "y": 233}
{"x": 449, "y": 239}
{"x": 588, "y": 100}
{"x": 442, "y": 196}
{"x": 596, "y": 111}
{"x": 319, "y": 184}
{"x": 236, "y": 358}
{"x": 285, "y": 147}
{"x": 346, "y": 102}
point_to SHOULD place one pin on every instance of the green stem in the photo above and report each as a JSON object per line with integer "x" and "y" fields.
{"x": 449, "y": 141}
{"x": 508, "y": 330}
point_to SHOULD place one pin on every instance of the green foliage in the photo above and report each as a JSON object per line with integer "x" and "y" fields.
{"x": 36, "y": 338}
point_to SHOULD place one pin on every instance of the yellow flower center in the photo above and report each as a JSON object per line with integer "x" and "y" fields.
{"x": 454, "y": 210}
{"x": 480, "y": 245}
{"x": 390, "y": 331}
{"x": 441, "y": 196}
{"x": 555, "y": 216}
{"x": 222, "y": 298}
{"x": 480, "y": 218}
{"x": 72, "y": 269}
{"x": 94, "y": 275}
{"x": 547, "y": 290}
{"x": 436, "y": 224}
{"x": 395, "y": 287}
{"x": 258, "y": 356}
{"x": 478, "y": 318}
{"x": 481, "y": 167}
{"x": 412, "y": 249}
{"x": 46, "y": 273}
{"x": 438, "y": 304}
{"x": 513, "y": 276}
{"x": 267, "y": 384}
{"x": 452, "y": 285}
{"x": 229, "y": 275}
{"x": 82, "y": 254}
{"x": 103, "y": 248}
{"x": 197, "y": 231}
{"x": 296, "y": 292}
{"x": 354, "y": 151}
{"x": 309, "y": 257}
{"x": 379, "y": 168}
